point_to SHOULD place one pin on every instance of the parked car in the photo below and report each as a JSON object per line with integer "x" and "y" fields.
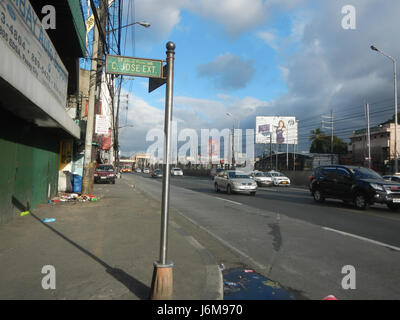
{"x": 214, "y": 172}
{"x": 138, "y": 170}
{"x": 176, "y": 172}
{"x": 263, "y": 179}
{"x": 104, "y": 173}
{"x": 279, "y": 179}
{"x": 392, "y": 178}
{"x": 157, "y": 174}
{"x": 235, "y": 182}
{"x": 146, "y": 170}
{"x": 360, "y": 186}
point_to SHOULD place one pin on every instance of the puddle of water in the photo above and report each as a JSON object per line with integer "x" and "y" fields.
{"x": 242, "y": 285}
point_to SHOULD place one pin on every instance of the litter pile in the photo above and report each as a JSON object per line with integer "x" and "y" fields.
{"x": 73, "y": 197}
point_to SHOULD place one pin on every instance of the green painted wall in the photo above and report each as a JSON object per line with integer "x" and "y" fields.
{"x": 29, "y": 162}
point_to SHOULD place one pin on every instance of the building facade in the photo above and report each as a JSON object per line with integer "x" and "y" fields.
{"x": 382, "y": 146}
{"x": 38, "y": 76}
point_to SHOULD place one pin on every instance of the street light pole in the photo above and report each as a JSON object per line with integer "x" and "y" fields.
{"x": 233, "y": 137}
{"x": 396, "y": 162}
{"x": 142, "y": 23}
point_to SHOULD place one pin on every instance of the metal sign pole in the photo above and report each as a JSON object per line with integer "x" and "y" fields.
{"x": 162, "y": 284}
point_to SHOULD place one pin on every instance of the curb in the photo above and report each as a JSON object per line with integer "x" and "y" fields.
{"x": 214, "y": 278}
{"x": 214, "y": 286}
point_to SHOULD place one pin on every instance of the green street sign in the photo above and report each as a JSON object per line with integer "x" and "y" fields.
{"x": 136, "y": 67}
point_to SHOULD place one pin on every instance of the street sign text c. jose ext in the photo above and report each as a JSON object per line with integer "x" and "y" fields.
{"x": 136, "y": 67}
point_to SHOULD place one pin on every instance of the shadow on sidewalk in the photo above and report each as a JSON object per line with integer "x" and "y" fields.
{"x": 135, "y": 286}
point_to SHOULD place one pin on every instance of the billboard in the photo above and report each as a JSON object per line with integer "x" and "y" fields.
{"x": 281, "y": 130}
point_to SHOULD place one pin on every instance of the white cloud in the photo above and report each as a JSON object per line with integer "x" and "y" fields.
{"x": 269, "y": 38}
{"x": 236, "y": 16}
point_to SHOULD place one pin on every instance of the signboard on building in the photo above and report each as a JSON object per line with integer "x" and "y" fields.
{"x": 102, "y": 125}
{"x": 22, "y": 36}
{"x": 281, "y": 130}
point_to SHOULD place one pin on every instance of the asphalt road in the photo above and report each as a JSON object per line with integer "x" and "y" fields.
{"x": 378, "y": 223}
{"x": 288, "y": 238}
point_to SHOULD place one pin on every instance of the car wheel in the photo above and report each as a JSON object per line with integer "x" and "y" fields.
{"x": 216, "y": 187}
{"x": 393, "y": 206}
{"x": 229, "y": 190}
{"x": 318, "y": 197}
{"x": 360, "y": 201}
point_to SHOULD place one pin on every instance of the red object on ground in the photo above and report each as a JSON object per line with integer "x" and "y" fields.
{"x": 331, "y": 298}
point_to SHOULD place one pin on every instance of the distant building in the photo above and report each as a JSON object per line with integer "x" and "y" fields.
{"x": 382, "y": 146}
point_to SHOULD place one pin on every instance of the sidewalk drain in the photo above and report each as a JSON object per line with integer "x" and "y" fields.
{"x": 242, "y": 284}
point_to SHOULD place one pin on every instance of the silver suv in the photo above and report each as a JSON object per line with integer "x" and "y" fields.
{"x": 235, "y": 182}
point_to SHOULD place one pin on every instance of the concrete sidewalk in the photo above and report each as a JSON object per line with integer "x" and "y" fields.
{"x": 101, "y": 250}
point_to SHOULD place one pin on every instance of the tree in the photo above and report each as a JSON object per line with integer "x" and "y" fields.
{"x": 321, "y": 143}
{"x": 319, "y": 140}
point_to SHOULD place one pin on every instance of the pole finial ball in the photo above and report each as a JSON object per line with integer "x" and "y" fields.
{"x": 170, "y": 46}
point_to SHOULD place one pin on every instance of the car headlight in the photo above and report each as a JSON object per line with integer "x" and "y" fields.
{"x": 377, "y": 186}
{"x": 237, "y": 184}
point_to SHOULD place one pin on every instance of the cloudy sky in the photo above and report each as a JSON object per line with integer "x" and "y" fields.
{"x": 262, "y": 58}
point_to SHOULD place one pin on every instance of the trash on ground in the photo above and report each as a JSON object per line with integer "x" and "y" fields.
{"x": 25, "y": 213}
{"x": 73, "y": 197}
{"x": 49, "y": 220}
{"x": 231, "y": 284}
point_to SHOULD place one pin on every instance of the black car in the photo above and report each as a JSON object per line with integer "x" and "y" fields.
{"x": 358, "y": 185}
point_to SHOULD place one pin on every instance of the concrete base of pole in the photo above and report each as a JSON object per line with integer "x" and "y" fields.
{"x": 162, "y": 287}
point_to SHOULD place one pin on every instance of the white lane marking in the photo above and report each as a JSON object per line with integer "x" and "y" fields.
{"x": 299, "y": 189}
{"x": 237, "y": 203}
{"x": 362, "y": 238}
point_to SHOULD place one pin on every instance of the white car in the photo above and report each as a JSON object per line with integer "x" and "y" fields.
{"x": 263, "y": 179}
{"x": 176, "y": 172}
{"x": 279, "y": 179}
{"x": 146, "y": 170}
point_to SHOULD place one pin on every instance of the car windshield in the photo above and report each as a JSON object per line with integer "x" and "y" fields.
{"x": 364, "y": 173}
{"x": 105, "y": 168}
{"x": 234, "y": 175}
{"x": 276, "y": 174}
{"x": 259, "y": 174}
{"x": 177, "y": 169}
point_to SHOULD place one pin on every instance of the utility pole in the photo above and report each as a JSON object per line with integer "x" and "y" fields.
{"x": 270, "y": 149}
{"x": 88, "y": 172}
{"x": 331, "y": 127}
{"x": 368, "y": 134}
{"x": 287, "y": 150}
{"x": 233, "y": 146}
